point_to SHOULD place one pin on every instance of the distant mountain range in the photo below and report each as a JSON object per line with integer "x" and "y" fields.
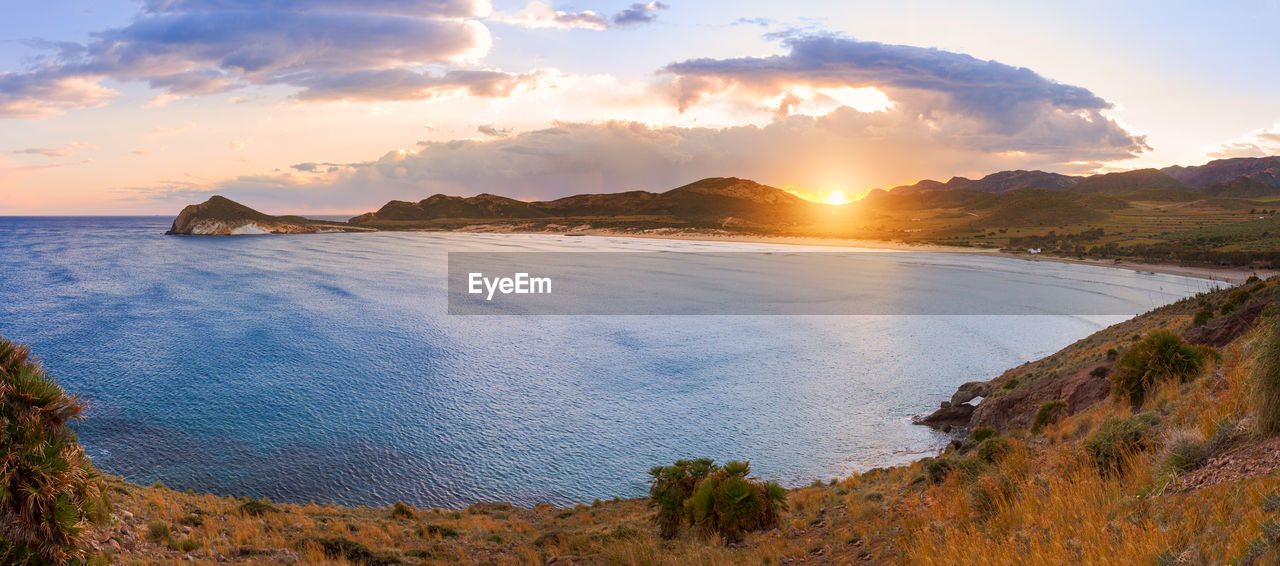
{"x": 711, "y": 199}
{"x": 1240, "y": 177}
{"x": 1003, "y": 199}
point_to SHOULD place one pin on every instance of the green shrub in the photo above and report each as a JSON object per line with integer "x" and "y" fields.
{"x": 936, "y": 469}
{"x": 402, "y": 511}
{"x": 1234, "y": 300}
{"x": 1202, "y": 317}
{"x": 49, "y": 491}
{"x": 977, "y": 435}
{"x": 351, "y": 551}
{"x": 258, "y": 507}
{"x": 444, "y": 531}
{"x": 669, "y": 488}
{"x": 1010, "y": 385}
{"x": 993, "y": 449}
{"x": 1118, "y": 438}
{"x": 1266, "y": 377}
{"x": 1161, "y": 356}
{"x": 158, "y": 531}
{"x": 1048, "y": 414}
{"x": 728, "y": 503}
{"x": 1252, "y": 279}
{"x": 1185, "y": 450}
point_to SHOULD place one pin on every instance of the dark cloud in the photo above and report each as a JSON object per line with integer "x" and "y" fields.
{"x": 196, "y": 47}
{"x": 493, "y": 131}
{"x": 638, "y": 13}
{"x": 1007, "y": 98}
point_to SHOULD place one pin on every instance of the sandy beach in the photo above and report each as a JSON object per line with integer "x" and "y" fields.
{"x": 1232, "y": 275}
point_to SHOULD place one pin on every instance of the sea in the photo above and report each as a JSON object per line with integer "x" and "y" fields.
{"x": 328, "y": 368}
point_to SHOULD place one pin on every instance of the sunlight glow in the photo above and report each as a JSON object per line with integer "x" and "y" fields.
{"x": 836, "y": 197}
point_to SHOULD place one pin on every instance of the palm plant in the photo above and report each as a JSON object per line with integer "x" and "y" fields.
{"x": 49, "y": 491}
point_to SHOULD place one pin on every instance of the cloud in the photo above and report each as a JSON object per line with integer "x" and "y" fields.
{"x": 416, "y": 8}
{"x": 31, "y": 95}
{"x": 541, "y": 15}
{"x": 69, "y": 150}
{"x": 200, "y": 47}
{"x": 1258, "y": 143}
{"x": 493, "y": 131}
{"x": 845, "y": 149}
{"x": 638, "y": 13}
{"x": 405, "y": 84}
{"x": 1006, "y": 99}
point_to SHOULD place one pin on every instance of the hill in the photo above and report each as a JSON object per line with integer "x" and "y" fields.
{"x": 220, "y": 216}
{"x": 1265, "y": 170}
{"x": 1001, "y": 182}
{"x": 714, "y": 199}
{"x": 1127, "y": 181}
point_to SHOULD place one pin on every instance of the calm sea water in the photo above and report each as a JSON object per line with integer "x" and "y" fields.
{"x": 324, "y": 367}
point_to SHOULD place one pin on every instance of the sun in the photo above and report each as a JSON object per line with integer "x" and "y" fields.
{"x": 836, "y": 197}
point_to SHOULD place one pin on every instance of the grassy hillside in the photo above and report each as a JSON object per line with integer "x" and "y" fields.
{"x": 1047, "y": 475}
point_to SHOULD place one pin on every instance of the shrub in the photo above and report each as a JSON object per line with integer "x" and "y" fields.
{"x": 1266, "y": 377}
{"x": 1234, "y": 300}
{"x": 981, "y": 433}
{"x": 1048, "y": 414}
{"x": 1202, "y": 317}
{"x": 1118, "y": 438}
{"x": 49, "y": 491}
{"x": 351, "y": 551}
{"x": 1185, "y": 450}
{"x": 1161, "y": 356}
{"x": 402, "y": 511}
{"x": 444, "y": 531}
{"x": 258, "y": 507}
{"x": 936, "y": 469}
{"x": 728, "y": 503}
{"x": 993, "y": 449}
{"x": 1100, "y": 372}
{"x": 988, "y": 493}
{"x": 670, "y": 487}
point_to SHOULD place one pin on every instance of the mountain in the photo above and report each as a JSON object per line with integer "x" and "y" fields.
{"x": 1127, "y": 181}
{"x": 221, "y": 216}
{"x": 1265, "y": 170}
{"x": 1038, "y": 207}
{"x": 445, "y": 206}
{"x": 711, "y": 199}
{"x": 1242, "y": 186}
{"x": 1001, "y": 182}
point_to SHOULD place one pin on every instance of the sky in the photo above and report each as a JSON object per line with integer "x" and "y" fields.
{"x": 337, "y": 106}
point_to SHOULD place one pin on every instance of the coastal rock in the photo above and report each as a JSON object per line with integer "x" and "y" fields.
{"x": 970, "y": 391}
{"x": 1017, "y": 410}
{"x": 948, "y": 414}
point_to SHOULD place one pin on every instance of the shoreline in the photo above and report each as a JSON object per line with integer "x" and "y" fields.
{"x": 1229, "y": 275}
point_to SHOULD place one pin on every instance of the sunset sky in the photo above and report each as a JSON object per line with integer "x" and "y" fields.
{"x": 336, "y": 106}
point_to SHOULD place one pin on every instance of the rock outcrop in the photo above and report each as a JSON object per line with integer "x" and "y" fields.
{"x": 220, "y": 216}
